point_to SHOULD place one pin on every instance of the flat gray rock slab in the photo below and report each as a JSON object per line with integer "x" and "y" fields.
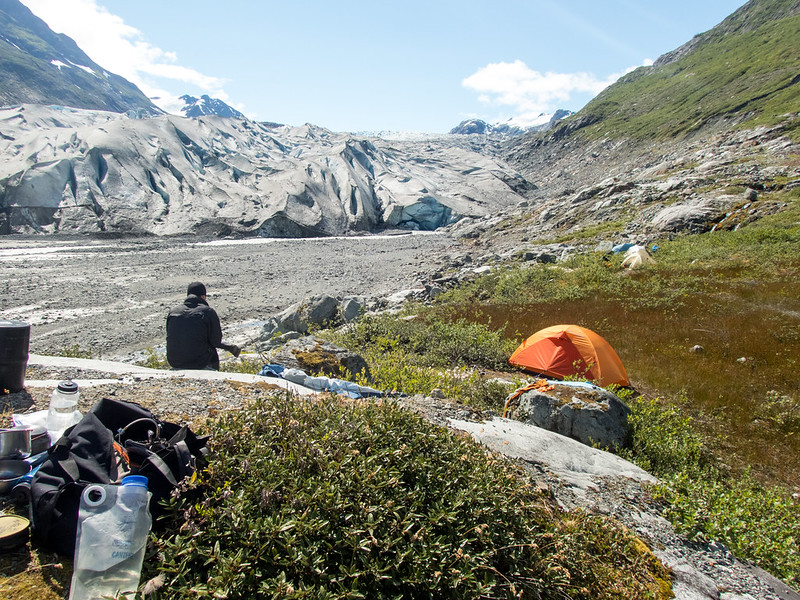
{"x": 574, "y": 462}
{"x": 138, "y": 372}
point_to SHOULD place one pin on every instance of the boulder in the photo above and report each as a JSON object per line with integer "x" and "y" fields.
{"x": 433, "y": 290}
{"x": 317, "y": 356}
{"x": 539, "y": 256}
{"x": 316, "y": 311}
{"x": 604, "y": 246}
{"x": 396, "y": 300}
{"x": 581, "y": 411}
{"x": 693, "y": 217}
{"x": 351, "y": 308}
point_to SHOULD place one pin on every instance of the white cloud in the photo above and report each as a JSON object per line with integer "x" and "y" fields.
{"x": 528, "y": 93}
{"x": 123, "y": 50}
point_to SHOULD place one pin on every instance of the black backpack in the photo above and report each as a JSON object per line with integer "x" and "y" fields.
{"x": 112, "y": 440}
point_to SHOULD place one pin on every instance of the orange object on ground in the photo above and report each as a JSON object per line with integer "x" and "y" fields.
{"x": 564, "y": 350}
{"x": 540, "y": 384}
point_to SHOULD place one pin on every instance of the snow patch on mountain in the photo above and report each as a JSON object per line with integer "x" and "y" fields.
{"x": 509, "y": 128}
{"x": 205, "y": 105}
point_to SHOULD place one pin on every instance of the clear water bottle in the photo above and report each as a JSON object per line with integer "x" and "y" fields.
{"x": 63, "y": 411}
{"x": 113, "y": 525}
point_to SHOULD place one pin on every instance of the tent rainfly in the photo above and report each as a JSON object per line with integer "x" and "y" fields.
{"x": 564, "y": 350}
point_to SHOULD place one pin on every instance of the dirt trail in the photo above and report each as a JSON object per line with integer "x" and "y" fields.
{"x": 112, "y": 296}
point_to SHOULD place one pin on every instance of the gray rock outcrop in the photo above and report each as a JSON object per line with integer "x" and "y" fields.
{"x": 314, "y": 312}
{"x": 351, "y": 308}
{"x": 694, "y": 217}
{"x": 314, "y": 355}
{"x": 586, "y": 413}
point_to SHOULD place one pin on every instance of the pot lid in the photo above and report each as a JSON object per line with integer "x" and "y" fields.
{"x": 13, "y": 531}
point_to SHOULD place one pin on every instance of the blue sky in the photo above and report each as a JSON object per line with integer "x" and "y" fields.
{"x": 353, "y": 65}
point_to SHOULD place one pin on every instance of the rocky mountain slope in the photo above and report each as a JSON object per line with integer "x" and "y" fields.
{"x": 741, "y": 71}
{"x": 42, "y": 67}
{"x": 699, "y": 140}
{"x": 69, "y": 170}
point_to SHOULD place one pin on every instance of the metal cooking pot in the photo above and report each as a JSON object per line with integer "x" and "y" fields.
{"x": 15, "y": 442}
{"x": 11, "y": 469}
{"x": 40, "y": 440}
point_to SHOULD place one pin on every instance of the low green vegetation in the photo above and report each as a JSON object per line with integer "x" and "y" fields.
{"x": 74, "y": 351}
{"x": 715, "y": 425}
{"x": 156, "y": 360}
{"x": 328, "y": 499}
{"x": 417, "y": 354}
{"x": 741, "y": 72}
{"x": 705, "y": 501}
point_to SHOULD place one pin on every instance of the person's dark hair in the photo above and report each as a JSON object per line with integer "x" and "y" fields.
{"x": 196, "y": 288}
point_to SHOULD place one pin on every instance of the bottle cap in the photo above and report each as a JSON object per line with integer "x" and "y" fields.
{"x": 67, "y": 387}
{"x": 138, "y": 480}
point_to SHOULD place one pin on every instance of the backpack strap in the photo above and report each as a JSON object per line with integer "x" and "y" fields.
{"x": 61, "y": 450}
{"x": 162, "y": 467}
{"x": 154, "y": 431}
{"x": 185, "y": 459}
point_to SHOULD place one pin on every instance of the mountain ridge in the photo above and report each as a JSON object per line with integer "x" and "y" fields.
{"x": 43, "y": 67}
{"x": 205, "y": 105}
{"x": 742, "y": 69}
{"x": 481, "y": 127}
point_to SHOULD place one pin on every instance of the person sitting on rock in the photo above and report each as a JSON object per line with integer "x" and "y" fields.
{"x": 194, "y": 333}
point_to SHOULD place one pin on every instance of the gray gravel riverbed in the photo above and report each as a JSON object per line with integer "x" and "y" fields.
{"x": 112, "y": 296}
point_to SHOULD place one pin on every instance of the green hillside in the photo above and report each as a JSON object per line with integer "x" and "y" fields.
{"x": 40, "y": 66}
{"x": 743, "y": 70}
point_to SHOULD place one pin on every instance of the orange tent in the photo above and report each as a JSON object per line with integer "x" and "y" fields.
{"x": 564, "y": 350}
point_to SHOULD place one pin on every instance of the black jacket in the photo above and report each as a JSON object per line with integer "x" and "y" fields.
{"x": 193, "y": 335}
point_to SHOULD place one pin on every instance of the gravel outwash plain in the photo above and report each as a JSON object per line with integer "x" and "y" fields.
{"x": 111, "y": 296}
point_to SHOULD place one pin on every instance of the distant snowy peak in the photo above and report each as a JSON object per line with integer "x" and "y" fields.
{"x": 480, "y": 127}
{"x": 205, "y": 105}
{"x": 399, "y": 136}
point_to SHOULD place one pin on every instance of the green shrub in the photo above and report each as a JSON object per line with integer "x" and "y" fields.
{"x": 243, "y": 365}
{"x": 154, "y": 360}
{"x": 321, "y": 499}
{"x": 397, "y": 371}
{"x": 756, "y": 522}
{"x": 780, "y": 410}
{"x": 75, "y": 351}
{"x": 430, "y": 339}
{"x": 664, "y": 440}
{"x": 416, "y": 356}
